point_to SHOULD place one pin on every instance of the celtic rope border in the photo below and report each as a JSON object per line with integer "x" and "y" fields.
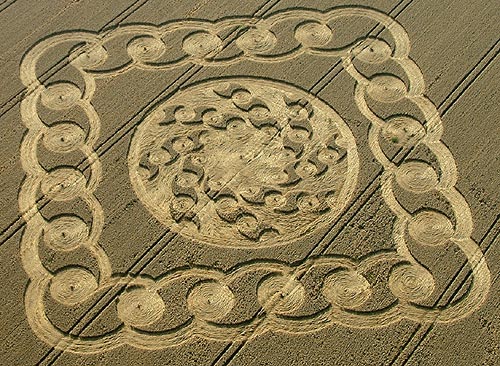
{"x": 345, "y": 287}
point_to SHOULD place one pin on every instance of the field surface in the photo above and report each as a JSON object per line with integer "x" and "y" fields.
{"x": 269, "y": 182}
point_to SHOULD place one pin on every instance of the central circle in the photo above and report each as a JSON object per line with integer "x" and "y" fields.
{"x": 233, "y": 164}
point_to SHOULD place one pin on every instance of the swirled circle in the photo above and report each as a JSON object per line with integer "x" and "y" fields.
{"x": 346, "y": 288}
{"x": 280, "y": 294}
{"x": 140, "y": 307}
{"x": 411, "y": 282}
{"x": 71, "y": 286}
{"x": 94, "y": 55}
{"x": 386, "y": 88}
{"x": 202, "y": 44}
{"x": 256, "y": 40}
{"x": 402, "y": 130}
{"x": 373, "y": 51}
{"x": 61, "y": 96}
{"x": 313, "y": 34}
{"x": 146, "y": 48}
{"x": 430, "y": 228}
{"x": 64, "y": 137}
{"x": 66, "y": 233}
{"x": 284, "y": 158}
{"x": 184, "y": 114}
{"x": 210, "y": 301}
{"x": 416, "y": 176}
{"x": 63, "y": 184}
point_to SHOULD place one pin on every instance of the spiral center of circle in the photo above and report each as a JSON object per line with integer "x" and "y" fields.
{"x": 244, "y": 162}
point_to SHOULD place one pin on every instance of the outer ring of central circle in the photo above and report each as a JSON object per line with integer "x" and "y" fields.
{"x": 345, "y": 195}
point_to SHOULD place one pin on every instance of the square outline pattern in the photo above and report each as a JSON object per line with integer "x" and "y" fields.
{"x": 281, "y": 292}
